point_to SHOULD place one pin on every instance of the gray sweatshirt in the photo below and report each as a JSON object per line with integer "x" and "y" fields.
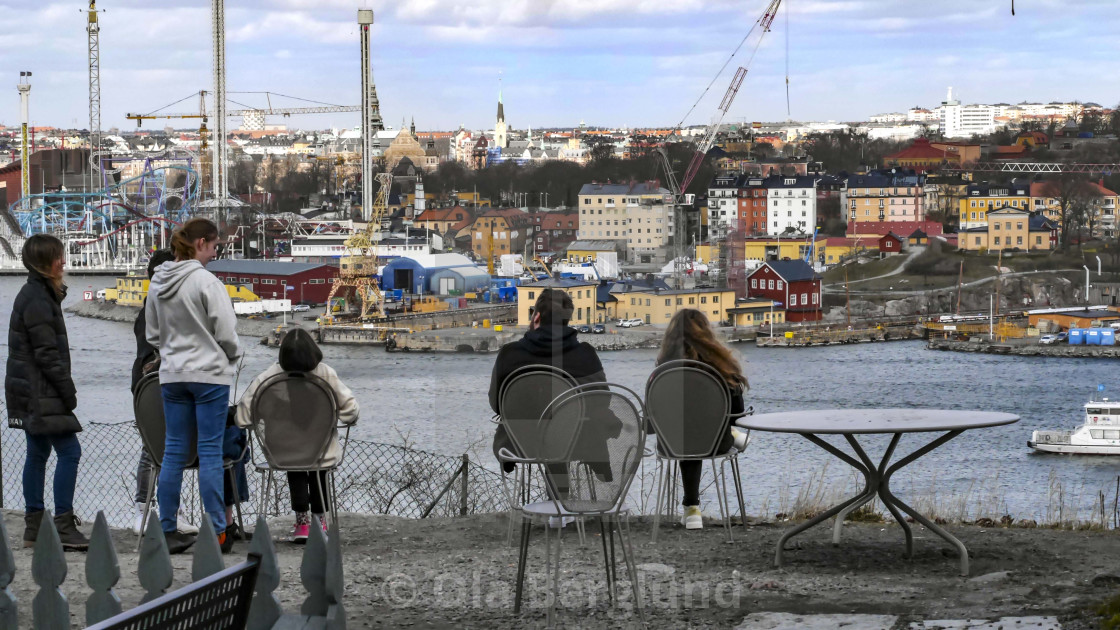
{"x": 190, "y": 320}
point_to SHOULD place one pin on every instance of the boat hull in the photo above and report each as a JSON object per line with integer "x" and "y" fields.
{"x": 1073, "y": 449}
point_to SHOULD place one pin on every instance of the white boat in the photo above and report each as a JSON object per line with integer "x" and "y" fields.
{"x": 1099, "y": 435}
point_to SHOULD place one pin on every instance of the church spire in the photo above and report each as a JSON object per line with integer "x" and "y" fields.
{"x": 412, "y": 127}
{"x": 501, "y": 110}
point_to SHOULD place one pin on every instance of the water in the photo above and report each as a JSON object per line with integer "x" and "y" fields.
{"x": 439, "y": 403}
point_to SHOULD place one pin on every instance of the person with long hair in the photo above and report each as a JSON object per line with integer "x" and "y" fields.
{"x": 300, "y": 353}
{"x": 190, "y": 321}
{"x": 40, "y": 391}
{"x": 690, "y": 336}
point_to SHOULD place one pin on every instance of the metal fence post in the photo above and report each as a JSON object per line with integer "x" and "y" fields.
{"x": 465, "y": 486}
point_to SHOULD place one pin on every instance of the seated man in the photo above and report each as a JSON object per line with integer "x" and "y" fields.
{"x": 550, "y": 341}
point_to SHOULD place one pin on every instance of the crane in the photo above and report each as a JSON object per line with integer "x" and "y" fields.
{"x": 264, "y": 111}
{"x": 762, "y": 26}
{"x": 358, "y": 267}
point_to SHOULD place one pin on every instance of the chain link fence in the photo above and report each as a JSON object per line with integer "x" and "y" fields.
{"x": 374, "y": 478}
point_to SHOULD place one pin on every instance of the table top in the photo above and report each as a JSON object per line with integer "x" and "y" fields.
{"x": 850, "y": 421}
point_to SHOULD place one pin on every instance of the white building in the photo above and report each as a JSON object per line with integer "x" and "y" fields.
{"x": 892, "y": 117}
{"x": 920, "y": 114}
{"x": 792, "y": 204}
{"x": 723, "y": 202}
{"x": 959, "y": 121}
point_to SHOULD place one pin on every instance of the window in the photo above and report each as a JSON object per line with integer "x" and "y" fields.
{"x": 647, "y": 302}
{"x": 631, "y": 301}
{"x": 1038, "y": 240}
{"x": 1018, "y": 240}
{"x": 977, "y": 240}
{"x": 680, "y": 301}
{"x": 703, "y": 299}
{"x": 996, "y": 241}
{"x": 715, "y": 299}
{"x": 771, "y": 284}
{"x": 793, "y": 300}
{"x": 667, "y": 302}
{"x": 995, "y": 226}
{"x": 815, "y": 297}
{"x": 754, "y": 284}
{"x": 246, "y": 280}
{"x": 779, "y": 285}
{"x": 804, "y": 298}
{"x": 268, "y": 281}
{"x": 691, "y": 301}
{"x": 317, "y": 281}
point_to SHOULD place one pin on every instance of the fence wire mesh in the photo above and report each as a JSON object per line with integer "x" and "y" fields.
{"x": 374, "y": 478}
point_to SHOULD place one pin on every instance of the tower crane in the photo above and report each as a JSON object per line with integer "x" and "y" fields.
{"x": 358, "y": 267}
{"x": 231, "y": 113}
{"x": 762, "y": 26}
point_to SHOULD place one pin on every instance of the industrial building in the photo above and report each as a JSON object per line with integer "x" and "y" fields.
{"x": 459, "y": 280}
{"x": 413, "y": 273}
{"x": 299, "y": 282}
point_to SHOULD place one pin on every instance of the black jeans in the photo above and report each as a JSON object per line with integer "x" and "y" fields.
{"x": 691, "y": 470}
{"x": 305, "y": 492}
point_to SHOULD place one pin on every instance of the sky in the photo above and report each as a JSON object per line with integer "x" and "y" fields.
{"x": 636, "y": 63}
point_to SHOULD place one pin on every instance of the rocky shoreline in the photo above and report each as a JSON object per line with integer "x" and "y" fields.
{"x": 97, "y": 309}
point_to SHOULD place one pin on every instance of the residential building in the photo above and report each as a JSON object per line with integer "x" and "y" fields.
{"x": 1013, "y": 228}
{"x": 755, "y": 312}
{"x": 636, "y": 215}
{"x": 1045, "y": 198}
{"x": 890, "y": 244}
{"x": 981, "y": 198}
{"x": 553, "y": 231}
{"x": 922, "y": 157}
{"x": 655, "y": 305}
{"x": 883, "y": 196}
{"x": 792, "y": 204}
{"x": 583, "y": 298}
{"x": 753, "y": 205}
{"x": 791, "y": 283}
{"x": 723, "y": 195}
{"x": 963, "y": 121}
{"x": 300, "y": 282}
{"x": 893, "y": 117}
{"x": 499, "y": 231}
{"x": 441, "y": 219}
{"x": 589, "y": 250}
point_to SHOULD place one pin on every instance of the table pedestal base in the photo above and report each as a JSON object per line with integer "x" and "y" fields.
{"x": 877, "y": 483}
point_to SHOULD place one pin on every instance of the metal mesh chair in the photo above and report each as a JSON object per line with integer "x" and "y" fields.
{"x": 524, "y": 395}
{"x": 590, "y": 444}
{"x": 690, "y": 427}
{"x": 294, "y": 417}
{"x": 147, "y": 406}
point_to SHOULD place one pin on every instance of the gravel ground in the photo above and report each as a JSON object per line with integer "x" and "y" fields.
{"x": 440, "y": 573}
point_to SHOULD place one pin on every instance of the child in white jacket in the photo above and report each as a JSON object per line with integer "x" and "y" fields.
{"x": 300, "y": 353}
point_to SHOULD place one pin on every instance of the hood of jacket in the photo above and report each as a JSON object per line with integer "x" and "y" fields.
{"x": 170, "y": 276}
{"x": 547, "y": 340}
{"x": 33, "y": 275}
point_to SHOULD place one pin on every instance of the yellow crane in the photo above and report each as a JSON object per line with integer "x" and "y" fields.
{"x": 358, "y": 268}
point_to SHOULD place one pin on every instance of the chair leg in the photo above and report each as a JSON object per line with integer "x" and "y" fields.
{"x": 522, "y": 556}
{"x": 628, "y": 552}
{"x": 606, "y": 560}
{"x": 721, "y": 497}
{"x": 153, "y": 481}
{"x": 556, "y": 578}
{"x": 657, "y": 504}
{"x": 334, "y": 500}
{"x": 739, "y": 491}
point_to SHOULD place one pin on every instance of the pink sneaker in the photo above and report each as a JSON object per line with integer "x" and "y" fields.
{"x": 323, "y": 521}
{"x": 300, "y": 533}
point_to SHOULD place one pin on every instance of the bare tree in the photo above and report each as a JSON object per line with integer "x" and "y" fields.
{"x": 1076, "y": 197}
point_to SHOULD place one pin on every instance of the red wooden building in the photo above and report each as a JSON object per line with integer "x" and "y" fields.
{"x": 793, "y": 283}
{"x": 890, "y": 244}
{"x": 299, "y": 282}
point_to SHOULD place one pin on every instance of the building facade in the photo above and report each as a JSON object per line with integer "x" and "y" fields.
{"x": 581, "y": 292}
{"x": 791, "y": 283}
{"x": 980, "y": 199}
{"x": 636, "y": 215}
{"x": 792, "y": 204}
{"x": 299, "y": 282}
{"x": 499, "y": 231}
{"x": 884, "y": 197}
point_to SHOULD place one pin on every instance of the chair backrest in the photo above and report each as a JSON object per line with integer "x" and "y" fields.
{"x": 147, "y": 405}
{"x": 293, "y": 416}
{"x": 218, "y": 602}
{"x": 524, "y": 395}
{"x": 595, "y": 438}
{"x": 689, "y": 405}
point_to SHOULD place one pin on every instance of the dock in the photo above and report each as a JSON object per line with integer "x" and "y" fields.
{"x": 836, "y": 335}
{"x": 1028, "y": 347}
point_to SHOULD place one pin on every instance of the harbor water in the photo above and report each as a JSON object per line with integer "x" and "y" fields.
{"x": 438, "y": 402}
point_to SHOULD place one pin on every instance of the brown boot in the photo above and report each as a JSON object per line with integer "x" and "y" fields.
{"x": 72, "y": 539}
{"x": 31, "y": 522}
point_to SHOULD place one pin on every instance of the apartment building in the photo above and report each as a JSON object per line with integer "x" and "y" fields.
{"x": 635, "y": 215}
{"x": 883, "y": 197}
{"x": 792, "y": 204}
{"x": 981, "y": 198}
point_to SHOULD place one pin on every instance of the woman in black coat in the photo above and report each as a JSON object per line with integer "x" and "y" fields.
{"x": 40, "y": 392}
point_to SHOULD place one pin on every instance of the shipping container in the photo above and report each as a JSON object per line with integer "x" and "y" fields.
{"x": 1108, "y": 337}
{"x": 1076, "y": 336}
{"x": 1093, "y": 337}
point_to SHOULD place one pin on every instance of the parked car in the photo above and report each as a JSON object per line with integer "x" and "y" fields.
{"x": 598, "y": 329}
{"x": 622, "y": 323}
{"x": 630, "y": 323}
{"x": 1047, "y": 340}
{"x": 301, "y": 308}
{"x": 1062, "y": 336}
{"x": 583, "y": 328}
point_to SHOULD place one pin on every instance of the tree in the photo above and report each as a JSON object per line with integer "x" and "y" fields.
{"x": 1076, "y": 196}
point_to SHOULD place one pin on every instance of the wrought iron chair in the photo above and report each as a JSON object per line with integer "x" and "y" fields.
{"x": 294, "y": 419}
{"x": 691, "y": 428}
{"x": 523, "y": 397}
{"x": 147, "y": 405}
{"x": 573, "y": 436}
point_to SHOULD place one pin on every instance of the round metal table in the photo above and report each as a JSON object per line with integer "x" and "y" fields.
{"x": 811, "y": 424}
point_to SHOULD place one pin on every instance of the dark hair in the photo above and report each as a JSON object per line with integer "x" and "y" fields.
{"x": 39, "y": 253}
{"x": 555, "y": 307}
{"x": 299, "y": 352}
{"x": 184, "y": 237}
{"x": 159, "y": 257}
{"x": 690, "y": 336}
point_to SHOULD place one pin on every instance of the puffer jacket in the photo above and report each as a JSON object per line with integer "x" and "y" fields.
{"x": 37, "y": 386}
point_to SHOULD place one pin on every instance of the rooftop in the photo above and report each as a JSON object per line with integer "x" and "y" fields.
{"x": 261, "y": 267}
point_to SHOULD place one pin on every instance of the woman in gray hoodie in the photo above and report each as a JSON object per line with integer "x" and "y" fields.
{"x": 190, "y": 320}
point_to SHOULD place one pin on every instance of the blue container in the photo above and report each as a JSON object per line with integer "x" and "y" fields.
{"x": 1076, "y": 336}
{"x": 1093, "y": 337}
{"x": 1108, "y": 337}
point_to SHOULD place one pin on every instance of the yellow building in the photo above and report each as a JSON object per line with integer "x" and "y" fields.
{"x": 1009, "y": 228}
{"x": 132, "y": 290}
{"x": 980, "y": 199}
{"x": 582, "y": 251}
{"x": 583, "y": 299}
{"x": 657, "y": 306}
{"x": 771, "y": 248}
{"x": 756, "y": 313}
{"x": 837, "y": 248}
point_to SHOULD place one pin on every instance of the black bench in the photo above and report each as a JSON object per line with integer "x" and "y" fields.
{"x": 218, "y": 602}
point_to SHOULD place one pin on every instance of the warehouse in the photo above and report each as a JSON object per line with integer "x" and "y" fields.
{"x": 459, "y": 280}
{"x": 302, "y": 283}
{"x": 412, "y": 273}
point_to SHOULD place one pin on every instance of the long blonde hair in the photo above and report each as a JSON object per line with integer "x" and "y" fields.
{"x": 690, "y": 336}
{"x": 39, "y": 253}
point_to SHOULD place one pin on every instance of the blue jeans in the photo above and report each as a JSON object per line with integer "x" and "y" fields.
{"x": 193, "y": 409}
{"x": 65, "y": 473}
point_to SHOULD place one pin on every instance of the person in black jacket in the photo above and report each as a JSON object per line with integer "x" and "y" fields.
{"x": 690, "y": 336}
{"x": 40, "y": 392}
{"x": 550, "y": 341}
